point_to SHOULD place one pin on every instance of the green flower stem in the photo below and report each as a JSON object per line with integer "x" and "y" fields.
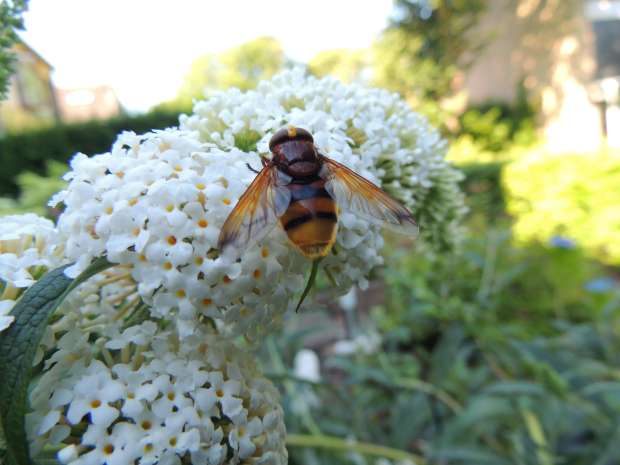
{"x": 488, "y": 271}
{"x": 430, "y": 389}
{"x": 350, "y": 445}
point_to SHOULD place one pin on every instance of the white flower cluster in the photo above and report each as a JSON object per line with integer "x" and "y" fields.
{"x": 28, "y": 247}
{"x": 157, "y": 201}
{"x": 155, "y": 399}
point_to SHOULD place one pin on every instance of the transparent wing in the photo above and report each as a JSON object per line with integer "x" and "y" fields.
{"x": 257, "y": 211}
{"x": 356, "y": 194}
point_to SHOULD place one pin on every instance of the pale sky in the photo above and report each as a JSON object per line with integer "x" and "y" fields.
{"x": 143, "y": 48}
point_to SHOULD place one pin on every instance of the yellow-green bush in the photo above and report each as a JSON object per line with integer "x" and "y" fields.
{"x": 574, "y": 195}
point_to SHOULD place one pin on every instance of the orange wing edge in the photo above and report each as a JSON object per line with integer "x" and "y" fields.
{"x": 361, "y": 197}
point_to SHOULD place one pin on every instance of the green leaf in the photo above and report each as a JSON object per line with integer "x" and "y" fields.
{"x": 601, "y": 387}
{"x": 18, "y": 344}
{"x": 467, "y": 455}
{"x": 515, "y": 388}
{"x": 537, "y": 434}
{"x": 482, "y": 412}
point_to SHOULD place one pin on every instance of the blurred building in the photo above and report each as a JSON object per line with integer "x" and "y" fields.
{"x": 31, "y": 99}
{"x": 566, "y": 53}
{"x": 34, "y": 101}
{"x": 87, "y": 103}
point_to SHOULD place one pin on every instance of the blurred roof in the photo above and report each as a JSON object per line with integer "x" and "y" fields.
{"x": 22, "y": 43}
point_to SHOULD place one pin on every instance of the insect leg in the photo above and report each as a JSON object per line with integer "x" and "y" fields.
{"x": 252, "y": 169}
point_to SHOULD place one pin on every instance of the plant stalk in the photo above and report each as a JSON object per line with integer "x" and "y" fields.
{"x": 351, "y": 445}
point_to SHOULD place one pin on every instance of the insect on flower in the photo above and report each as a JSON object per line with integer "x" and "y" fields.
{"x": 304, "y": 190}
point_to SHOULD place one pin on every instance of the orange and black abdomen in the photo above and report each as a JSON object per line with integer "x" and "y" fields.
{"x": 311, "y": 220}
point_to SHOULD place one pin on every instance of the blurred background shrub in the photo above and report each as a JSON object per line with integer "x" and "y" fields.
{"x": 35, "y": 190}
{"x": 572, "y": 195}
{"x": 29, "y": 151}
{"x": 496, "y": 126}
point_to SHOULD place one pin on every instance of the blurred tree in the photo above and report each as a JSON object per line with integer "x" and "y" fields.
{"x": 246, "y": 65}
{"x": 243, "y": 67}
{"x": 344, "y": 64}
{"x": 11, "y": 12}
{"x": 425, "y": 47}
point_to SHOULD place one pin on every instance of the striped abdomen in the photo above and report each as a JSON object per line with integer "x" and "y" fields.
{"x": 311, "y": 220}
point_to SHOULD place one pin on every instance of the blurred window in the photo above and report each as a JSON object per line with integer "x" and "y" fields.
{"x": 607, "y": 48}
{"x": 81, "y": 97}
{"x": 605, "y": 17}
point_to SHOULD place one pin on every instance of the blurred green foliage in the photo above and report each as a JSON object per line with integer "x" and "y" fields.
{"x": 495, "y": 355}
{"x": 576, "y": 196}
{"x": 11, "y": 12}
{"x": 439, "y": 39}
{"x": 427, "y": 45}
{"x": 343, "y": 64}
{"x": 495, "y": 132}
{"x": 29, "y": 151}
{"x": 495, "y": 126}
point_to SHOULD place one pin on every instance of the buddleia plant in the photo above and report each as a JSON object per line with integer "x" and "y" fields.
{"x": 122, "y": 342}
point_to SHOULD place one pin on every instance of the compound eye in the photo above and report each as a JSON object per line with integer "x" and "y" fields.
{"x": 280, "y": 136}
{"x": 302, "y": 134}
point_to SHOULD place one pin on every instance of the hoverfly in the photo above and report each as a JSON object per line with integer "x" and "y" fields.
{"x": 303, "y": 191}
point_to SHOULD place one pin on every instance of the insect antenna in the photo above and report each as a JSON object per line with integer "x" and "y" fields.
{"x": 311, "y": 280}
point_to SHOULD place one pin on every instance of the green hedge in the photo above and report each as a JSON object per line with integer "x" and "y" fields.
{"x": 29, "y": 151}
